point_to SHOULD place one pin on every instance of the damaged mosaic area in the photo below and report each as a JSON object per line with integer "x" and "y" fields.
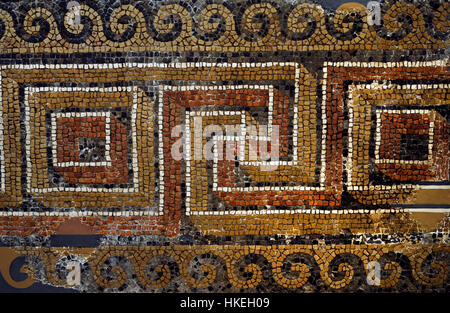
{"x": 225, "y": 146}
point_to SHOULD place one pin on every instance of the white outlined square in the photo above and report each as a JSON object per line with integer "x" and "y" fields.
{"x": 55, "y": 116}
{"x": 387, "y": 85}
{"x": 29, "y": 174}
{"x": 379, "y": 111}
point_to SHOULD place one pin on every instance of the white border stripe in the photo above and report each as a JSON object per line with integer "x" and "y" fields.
{"x": 388, "y": 64}
{"x": 324, "y": 127}
{"x": 181, "y": 65}
{"x": 238, "y": 212}
{"x": 161, "y": 149}
{"x": 2, "y": 150}
{"x": 221, "y": 65}
{"x": 427, "y": 210}
{"x": 78, "y": 213}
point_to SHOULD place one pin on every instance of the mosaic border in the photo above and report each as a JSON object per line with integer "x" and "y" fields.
{"x": 238, "y": 268}
{"x": 235, "y": 31}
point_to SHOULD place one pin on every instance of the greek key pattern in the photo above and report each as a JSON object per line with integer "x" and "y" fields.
{"x": 224, "y": 146}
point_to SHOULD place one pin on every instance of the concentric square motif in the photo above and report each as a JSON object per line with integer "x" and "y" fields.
{"x": 398, "y": 132}
{"x": 91, "y": 149}
{"x": 87, "y": 153}
{"x": 83, "y": 138}
{"x": 405, "y": 145}
{"x": 402, "y": 133}
{"x": 82, "y": 150}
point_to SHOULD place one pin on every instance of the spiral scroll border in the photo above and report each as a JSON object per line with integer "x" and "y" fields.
{"x": 218, "y": 268}
{"x": 175, "y": 26}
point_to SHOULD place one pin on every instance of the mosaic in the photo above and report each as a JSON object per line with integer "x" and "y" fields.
{"x": 224, "y": 146}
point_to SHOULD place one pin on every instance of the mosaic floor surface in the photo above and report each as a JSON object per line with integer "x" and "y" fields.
{"x": 224, "y": 146}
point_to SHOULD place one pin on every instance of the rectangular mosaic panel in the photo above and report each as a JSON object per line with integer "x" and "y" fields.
{"x": 225, "y": 146}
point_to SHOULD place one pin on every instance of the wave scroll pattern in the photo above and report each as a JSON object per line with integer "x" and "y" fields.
{"x": 221, "y": 27}
{"x": 219, "y": 268}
